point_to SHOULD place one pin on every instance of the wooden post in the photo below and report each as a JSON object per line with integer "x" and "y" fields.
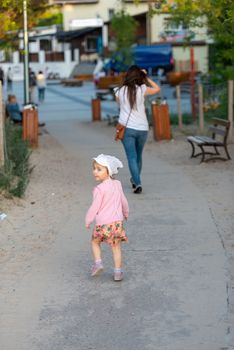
{"x": 30, "y": 126}
{"x": 201, "y": 111}
{"x": 178, "y": 97}
{"x": 192, "y": 80}
{"x": 230, "y": 107}
{"x": 96, "y": 109}
{"x": 2, "y": 159}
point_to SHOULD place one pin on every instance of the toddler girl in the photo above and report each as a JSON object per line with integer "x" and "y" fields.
{"x": 109, "y": 208}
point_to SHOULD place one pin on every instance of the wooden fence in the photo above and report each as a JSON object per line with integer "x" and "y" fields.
{"x": 201, "y": 106}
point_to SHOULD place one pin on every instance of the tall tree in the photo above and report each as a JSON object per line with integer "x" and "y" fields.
{"x": 11, "y": 15}
{"x": 124, "y": 29}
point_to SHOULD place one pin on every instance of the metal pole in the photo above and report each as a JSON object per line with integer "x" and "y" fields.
{"x": 26, "y": 60}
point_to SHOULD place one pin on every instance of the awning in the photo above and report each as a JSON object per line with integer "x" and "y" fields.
{"x": 72, "y": 34}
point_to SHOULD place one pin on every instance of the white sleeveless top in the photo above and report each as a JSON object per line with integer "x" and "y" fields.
{"x": 137, "y": 119}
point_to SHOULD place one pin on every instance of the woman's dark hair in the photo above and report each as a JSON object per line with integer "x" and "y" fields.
{"x": 134, "y": 77}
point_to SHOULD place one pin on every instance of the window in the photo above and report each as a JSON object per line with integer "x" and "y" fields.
{"x": 45, "y": 45}
{"x": 174, "y": 32}
{"x": 91, "y": 43}
{"x": 111, "y": 13}
{"x": 169, "y": 25}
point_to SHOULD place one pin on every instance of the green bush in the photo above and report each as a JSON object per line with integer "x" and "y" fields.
{"x": 221, "y": 111}
{"x": 14, "y": 176}
{"x": 187, "y": 119}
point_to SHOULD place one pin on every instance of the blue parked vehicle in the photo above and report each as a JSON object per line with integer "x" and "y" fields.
{"x": 150, "y": 57}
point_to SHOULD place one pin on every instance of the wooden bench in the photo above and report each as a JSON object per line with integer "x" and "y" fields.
{"x": 109, "y": 80}
{"x": 112, "y": 119}
{"x": 104, "y": 94}
{"x": 219, "y": 134}
{"x": 86, "y": 77}
{"x": 72, "y": 82}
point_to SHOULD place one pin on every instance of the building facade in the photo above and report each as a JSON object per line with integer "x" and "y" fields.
{"x": 86, "y": 34}
{"x": 78, "y": 14}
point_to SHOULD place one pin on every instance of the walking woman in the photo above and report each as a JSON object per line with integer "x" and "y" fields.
{"x": 131, "y": 98}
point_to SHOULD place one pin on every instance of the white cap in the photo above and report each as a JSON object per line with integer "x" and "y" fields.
{"x": 112, "y": 163}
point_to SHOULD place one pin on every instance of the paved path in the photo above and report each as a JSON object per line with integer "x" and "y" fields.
{"x": 174, "y": 293}
{"x": 173, "y": 296}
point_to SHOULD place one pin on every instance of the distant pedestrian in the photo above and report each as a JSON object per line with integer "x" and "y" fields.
{"x": 109, "y": 208}
{"x": 131, "y": 97}
{"x": 41, "y": 85}
{"x": 99, "y": 75}
{"x": 32, "y": 85}
{"x": 9, "y": 79}
{"x": 2, "y": 76}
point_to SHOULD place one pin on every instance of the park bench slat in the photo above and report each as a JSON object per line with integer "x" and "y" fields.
{"x": 219, "y": 121}
{"x": 207, "y": 139}
{"x": 217, "y": 130}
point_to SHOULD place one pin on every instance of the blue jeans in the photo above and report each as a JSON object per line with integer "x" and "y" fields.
{"x": 41, "y": 94}
{"x": 133, "y": 142}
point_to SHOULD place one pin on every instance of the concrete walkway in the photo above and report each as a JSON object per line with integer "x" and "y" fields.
{"x": 173, "y": 296}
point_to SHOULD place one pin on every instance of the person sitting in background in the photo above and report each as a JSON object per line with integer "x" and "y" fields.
{"x": 98, "y": 71}
{"x": 99, "y": 75}
{"x": 13, "y": 110}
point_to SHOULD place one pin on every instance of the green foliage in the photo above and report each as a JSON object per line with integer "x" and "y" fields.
{"x": 222, "y": 110}
{"x": 216, "y": 15}
{"x": 187, "y": 119}
{"x": 50, "y": 18}
{"x": 11, "y": 15}
{"x": 15, "y": 175}
{"x": 124, "y": 28}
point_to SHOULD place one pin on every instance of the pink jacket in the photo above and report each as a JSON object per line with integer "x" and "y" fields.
{"x": 109, "y": 203}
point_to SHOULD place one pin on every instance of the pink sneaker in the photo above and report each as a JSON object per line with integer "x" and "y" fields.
{"x": 118, "y": 276}
{"x": 96, "y": 269}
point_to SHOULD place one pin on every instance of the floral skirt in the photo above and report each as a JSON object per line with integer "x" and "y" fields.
{"x": 111, "y": 233}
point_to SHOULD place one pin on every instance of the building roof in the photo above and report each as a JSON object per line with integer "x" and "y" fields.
{"x": 72, "y": 34}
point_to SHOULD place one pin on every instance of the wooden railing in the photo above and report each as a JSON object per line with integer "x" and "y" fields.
{"x": 54, "y": 56}
{"x": 33, "y": 57}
